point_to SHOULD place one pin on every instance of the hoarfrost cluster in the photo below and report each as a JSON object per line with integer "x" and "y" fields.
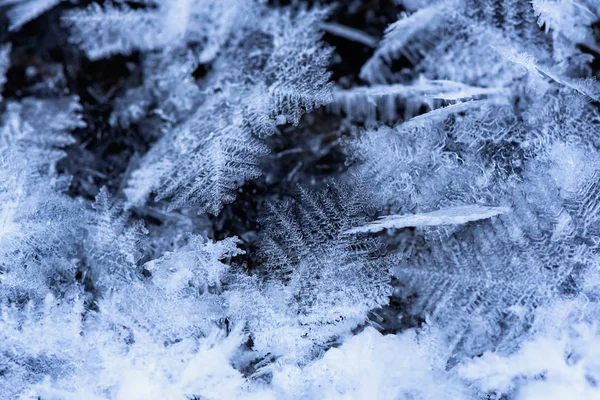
{"x": 252, "y": 199}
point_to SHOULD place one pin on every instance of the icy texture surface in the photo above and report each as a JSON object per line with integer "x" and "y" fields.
{"x": 246, "y": 199}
